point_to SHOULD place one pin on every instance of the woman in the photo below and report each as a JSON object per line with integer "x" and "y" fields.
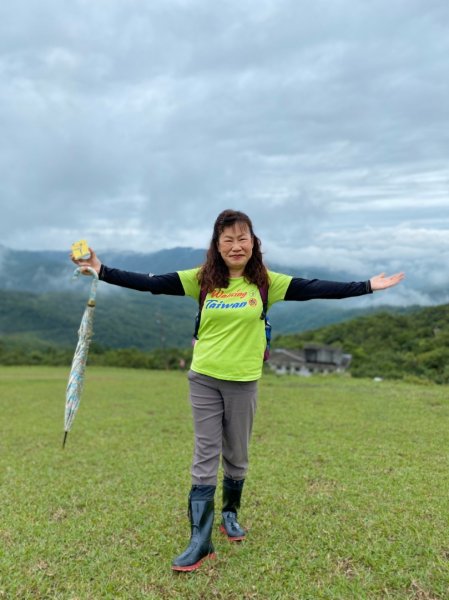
{"x": 227, "y": 360}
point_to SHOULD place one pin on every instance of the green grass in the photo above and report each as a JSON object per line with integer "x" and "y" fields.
{"x": 347, "y": 495}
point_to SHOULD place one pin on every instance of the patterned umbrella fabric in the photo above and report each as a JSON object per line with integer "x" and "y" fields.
{"x": 76, "y": 378}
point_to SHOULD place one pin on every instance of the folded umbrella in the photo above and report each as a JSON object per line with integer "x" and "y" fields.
{"x": 76, "y": 378}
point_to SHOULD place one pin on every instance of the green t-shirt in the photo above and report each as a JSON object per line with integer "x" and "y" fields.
{"x": 231, "y": 339}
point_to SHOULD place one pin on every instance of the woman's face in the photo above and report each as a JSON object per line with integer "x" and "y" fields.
{"x": 235, "y": 246}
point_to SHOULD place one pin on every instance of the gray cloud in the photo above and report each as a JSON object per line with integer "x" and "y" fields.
{"x": 135, "y": 123}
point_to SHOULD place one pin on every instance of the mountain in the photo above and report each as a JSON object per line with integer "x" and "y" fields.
{"x": 132, "y": 319}
{"x": 41, "y": 308}
{"x": 39, "y": 301}
{"x": 142, "y": 321}
{"x": 47, "y": 271}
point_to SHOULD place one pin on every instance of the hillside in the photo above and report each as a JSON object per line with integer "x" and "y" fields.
{"x": 125, "y": 318}
{"x": 389, "y": 345}
{"x": 121, "y": 320}
{"x": 39, "y": 301}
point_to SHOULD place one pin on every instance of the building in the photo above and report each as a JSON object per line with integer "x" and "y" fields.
{"x": 313, "y": 358}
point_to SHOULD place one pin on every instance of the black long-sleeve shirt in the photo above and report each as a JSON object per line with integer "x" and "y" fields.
{"x": 299, "y": 289}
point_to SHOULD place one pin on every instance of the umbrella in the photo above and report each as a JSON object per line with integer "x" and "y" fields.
{"x": 76, "y": 378}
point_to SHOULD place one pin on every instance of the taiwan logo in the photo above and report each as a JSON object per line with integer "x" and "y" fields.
{"x": 252, "y": 302}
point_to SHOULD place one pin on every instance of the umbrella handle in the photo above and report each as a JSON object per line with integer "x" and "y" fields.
{"x": 80, "y": 270}
{"x": 93, "y": 287}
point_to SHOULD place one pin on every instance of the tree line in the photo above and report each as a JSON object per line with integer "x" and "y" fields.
{"x": 389, "y": 345}
{"x": 17, "y": 353}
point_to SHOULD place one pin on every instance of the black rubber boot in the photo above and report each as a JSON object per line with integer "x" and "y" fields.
{"x": 232, "y": 493}
{"x": 201, "y": 515}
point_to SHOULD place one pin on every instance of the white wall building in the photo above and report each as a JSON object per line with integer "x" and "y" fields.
{"x": 313, "y": 358}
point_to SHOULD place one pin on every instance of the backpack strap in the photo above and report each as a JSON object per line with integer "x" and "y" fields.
{"x": 201, "y": 299}
{"x": 263, "y": 291}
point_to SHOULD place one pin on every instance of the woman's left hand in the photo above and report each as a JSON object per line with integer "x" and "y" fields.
{"x": 382, "y": 282}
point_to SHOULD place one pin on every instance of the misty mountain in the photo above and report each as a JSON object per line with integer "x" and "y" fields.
{"x": 39, "y": 298}
{"x": 49, "y": 271}
{"x": 46, "y": 271}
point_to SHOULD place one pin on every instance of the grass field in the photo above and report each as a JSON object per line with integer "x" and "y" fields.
{"x": 347, "y": 495}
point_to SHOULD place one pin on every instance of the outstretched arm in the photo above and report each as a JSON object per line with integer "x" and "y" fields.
{"x": 382, "y": 282}
{"x": 310, "y": 289}
{"x": 169, "y": 283}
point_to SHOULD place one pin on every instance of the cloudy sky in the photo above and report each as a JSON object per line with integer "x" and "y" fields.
{"x": 134, "y": 123}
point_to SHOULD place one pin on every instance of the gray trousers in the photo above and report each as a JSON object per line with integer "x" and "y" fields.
{"x": 223, "y": 414}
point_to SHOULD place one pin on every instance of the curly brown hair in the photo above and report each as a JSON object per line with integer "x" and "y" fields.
{"x": 214, "y": 273}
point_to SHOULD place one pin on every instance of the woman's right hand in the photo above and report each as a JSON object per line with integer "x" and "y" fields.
{"x": 93, "y": 262}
